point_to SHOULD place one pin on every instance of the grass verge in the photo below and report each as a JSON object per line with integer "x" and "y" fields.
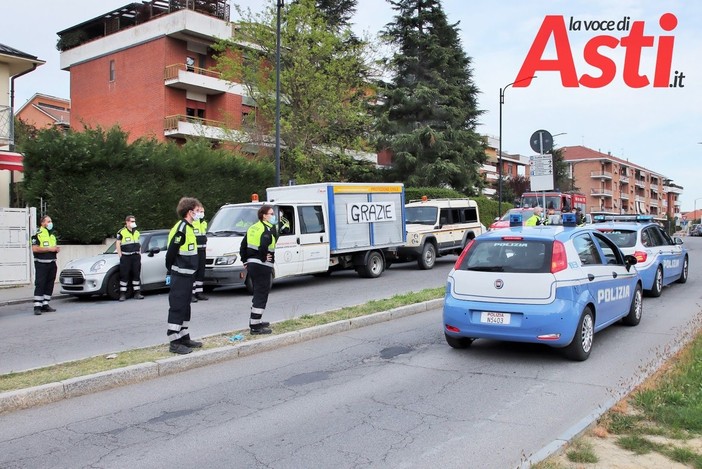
{"x": 662, "y": 416}
{"x": 87, "y": 366}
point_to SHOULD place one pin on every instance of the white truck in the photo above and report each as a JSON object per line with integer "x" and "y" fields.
{"x": 332, "y": 226}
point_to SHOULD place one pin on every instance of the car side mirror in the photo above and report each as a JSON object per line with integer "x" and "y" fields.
{"x": 154, "y": 251}
{"x": 677, "y": 240}
{"x": 629, "y": 260}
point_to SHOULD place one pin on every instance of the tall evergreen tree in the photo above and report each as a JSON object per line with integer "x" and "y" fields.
{"x": 429, "y": 111}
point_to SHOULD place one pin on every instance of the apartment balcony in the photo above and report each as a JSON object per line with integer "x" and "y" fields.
{"x": 598, "y": 209}
{"x": 624, "y": 179}
{"x": 640, "y": 183}
{"x": 181, "y": 126}
{"x": 624, "y": 196}
{"x": 653, "y": 203}
{"x": 604, "y": 175}
{"x": 676, "y": 203}
{"x": 673, "y": 189}
{"x": 640, "y": 198}
{"x": 601, "y": 192}
{"x": 199, "y": 80}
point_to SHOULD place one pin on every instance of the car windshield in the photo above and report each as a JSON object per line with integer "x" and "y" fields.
{"x": 421, "y": 215}
{"x": 622, "y": 238}
{"x": 232, "y": 220}
{"x": 552, "y": 201}
{"x": 501, "y": 255}
{"x": 112, "y": 249}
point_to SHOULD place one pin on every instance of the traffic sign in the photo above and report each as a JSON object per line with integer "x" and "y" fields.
{"x": 541, "y": 141}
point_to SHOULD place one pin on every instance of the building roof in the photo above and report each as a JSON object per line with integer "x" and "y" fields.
{"x": 7, "y": 50}
{"x": 579, "y": 152}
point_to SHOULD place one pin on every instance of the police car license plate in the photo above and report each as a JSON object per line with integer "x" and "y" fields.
{"x": 68, "y": 281}
{"x": 489, "y": 317}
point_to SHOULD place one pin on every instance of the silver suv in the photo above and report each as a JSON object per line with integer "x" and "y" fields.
{"x": 438, "y": 227}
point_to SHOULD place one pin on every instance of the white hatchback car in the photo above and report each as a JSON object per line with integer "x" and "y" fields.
{"x": 99, "y": 275}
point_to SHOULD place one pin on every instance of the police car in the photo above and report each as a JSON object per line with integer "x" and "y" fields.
{"x": 662, "y": 260}
{"x": 555, "y": 285}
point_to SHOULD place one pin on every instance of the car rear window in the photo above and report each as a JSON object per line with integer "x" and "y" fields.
{"x": 508, "y": 255}
{"x": 622, "y": 238}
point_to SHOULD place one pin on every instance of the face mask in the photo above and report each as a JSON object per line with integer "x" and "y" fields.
{"x": 50, "y": 226}
{"x": 132, "y": 225}
{"x": 199, "y": 215}
{"x": 273, "y": 220}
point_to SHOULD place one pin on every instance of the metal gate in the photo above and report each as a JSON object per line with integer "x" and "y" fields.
{"x": 16, "y": 226}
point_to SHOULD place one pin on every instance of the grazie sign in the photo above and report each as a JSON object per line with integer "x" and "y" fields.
{"x": 370, "y": 212}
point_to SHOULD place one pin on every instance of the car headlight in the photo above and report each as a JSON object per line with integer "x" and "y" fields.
{"x": 415, "y": 238}
{"x": 227, "y": 259}
{"x": 97, "y": 267}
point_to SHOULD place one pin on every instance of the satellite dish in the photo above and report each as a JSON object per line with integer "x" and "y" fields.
{"x": 541, "y": 141}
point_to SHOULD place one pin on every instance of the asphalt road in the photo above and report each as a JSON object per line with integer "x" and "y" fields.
{"x": 83, "y": 328}
{"x": 388, "y": 395}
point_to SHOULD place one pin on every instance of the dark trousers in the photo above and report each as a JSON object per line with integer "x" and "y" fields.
{"x": 261, "y": 280}
{"x": 200, "y": 274}
{"x": 179, "y": 306}
{"x": 130, "y": 268}
{"x": 45, "y": 276}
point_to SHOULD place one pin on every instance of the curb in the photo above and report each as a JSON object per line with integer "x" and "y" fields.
{"x": 53, "y": 392}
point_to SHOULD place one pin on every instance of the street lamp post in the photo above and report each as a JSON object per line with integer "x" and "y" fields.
{"x": 499, "y": 151}
{"x": 279, "y": 5}
{"x": 694, "y": 214}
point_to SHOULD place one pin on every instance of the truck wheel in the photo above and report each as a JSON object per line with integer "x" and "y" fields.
{"x": 374, "y": 266}
{"x": 428, "y": 258}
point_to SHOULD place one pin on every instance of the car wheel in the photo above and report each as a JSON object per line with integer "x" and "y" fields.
{"x": 428, "y": 258}
{"x": 636, "y": 309}
{"x": 657, "y": 287}
{"x": 581, "y": 346}
{"x": 112, "y": 286}
{"x": 458, "y": 342}
{"x": 683, "y": 274}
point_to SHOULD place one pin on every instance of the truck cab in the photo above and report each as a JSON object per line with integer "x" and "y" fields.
{"x": 438, "y": 227}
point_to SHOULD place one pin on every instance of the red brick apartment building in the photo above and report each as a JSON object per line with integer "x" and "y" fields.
{"x": 149, "y": 68}
{"x": 614, "y": 185}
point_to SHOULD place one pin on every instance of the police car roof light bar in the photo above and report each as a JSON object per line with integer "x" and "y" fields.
{"x": 623, "y": 218}
{"x": 568, "y": 219}
{"x": 515, "y": 219}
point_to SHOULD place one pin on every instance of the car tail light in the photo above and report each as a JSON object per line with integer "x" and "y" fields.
{"x": 463, "y": 254}
{"x": 640, "y": 256}
{"x": 452, "y": 328}
{"x": 512, "y": 238}
{"x": 558, "y": 257}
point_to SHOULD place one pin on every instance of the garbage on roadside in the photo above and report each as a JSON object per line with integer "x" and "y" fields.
{"x": 236, "y": 338}
{"x": 111, "y": 356}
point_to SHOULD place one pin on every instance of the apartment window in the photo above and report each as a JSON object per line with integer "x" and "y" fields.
{"x": 190, "y": 64}
{"x": 112, "y": 70}
{"x": 195, "y": 109}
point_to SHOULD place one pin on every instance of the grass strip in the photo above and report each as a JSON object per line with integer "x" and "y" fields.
{"x": 73, "y": 369}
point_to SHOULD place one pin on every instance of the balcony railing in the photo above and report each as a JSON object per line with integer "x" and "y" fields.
{"x": 171, "y": 122}
{"x": 624, "y": 196}
{"x": 600, "y": 175}
{"x": 640, "y": 183}
{"x": 624, "y": 179}
{"x": 601, "y": 192}
{"x": 597, "y": 208}
{"x": 200, "y": 80}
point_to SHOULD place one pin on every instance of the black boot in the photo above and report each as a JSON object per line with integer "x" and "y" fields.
{"x": 259, "y": 329}
{"x": 37, "y": 310}
{"x": 201, "y": 296}
{"x": 47, "y": 309}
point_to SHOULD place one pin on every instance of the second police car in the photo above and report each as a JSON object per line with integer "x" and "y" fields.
{"x": 662, "y": 260}
{"x": 556, "y": 285}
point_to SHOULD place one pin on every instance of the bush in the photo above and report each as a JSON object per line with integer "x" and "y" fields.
{"x": 91, "y": 180}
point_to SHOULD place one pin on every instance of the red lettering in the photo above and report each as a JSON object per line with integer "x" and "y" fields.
{"x": 604, "y": 64}
{"x": 633, "y": 43}
{"x": 552, "y": 25}
{"x": 664, "y": 58}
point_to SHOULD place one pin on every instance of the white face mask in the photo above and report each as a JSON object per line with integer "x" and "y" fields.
{"x": 199, "y": 215}
{"x": 132, "y": 225}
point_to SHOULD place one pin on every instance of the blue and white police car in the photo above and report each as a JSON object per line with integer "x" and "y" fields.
{"x": 661, "y": 260}
{"x": 555, "y": 285}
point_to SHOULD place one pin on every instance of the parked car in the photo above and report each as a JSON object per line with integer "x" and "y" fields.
{"x": 554, "y": 285}
{"x": 99, "y": 275}
{"x": 696, "y": 230}
{"x": 662, "y": 260}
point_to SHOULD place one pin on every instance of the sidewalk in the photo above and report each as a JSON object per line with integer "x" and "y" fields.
{"x": 15, "y": 295}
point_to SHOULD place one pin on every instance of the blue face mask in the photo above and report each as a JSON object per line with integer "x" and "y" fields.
{"x": 273, "y": 220}
{"x": 49, "y": 226}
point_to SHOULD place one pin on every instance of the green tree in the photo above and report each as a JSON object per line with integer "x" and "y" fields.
{"x": 324, "y": 91}
{"x": 561, "y": 179}
{"x": 429, "y": 113}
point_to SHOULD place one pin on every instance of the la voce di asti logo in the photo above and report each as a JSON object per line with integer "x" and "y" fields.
{"x": 634, "y": 44}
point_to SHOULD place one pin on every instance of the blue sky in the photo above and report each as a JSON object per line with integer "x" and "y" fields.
{"x": 658, "y": 128}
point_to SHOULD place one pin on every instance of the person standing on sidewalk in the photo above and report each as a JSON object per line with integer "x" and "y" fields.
{"x": 44, "y": 249}
{"x": 129, "y": 251}
{"x": 257, "y": 252}
{"x": 181, "y": 265}
{"x": 200, "y": 228}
